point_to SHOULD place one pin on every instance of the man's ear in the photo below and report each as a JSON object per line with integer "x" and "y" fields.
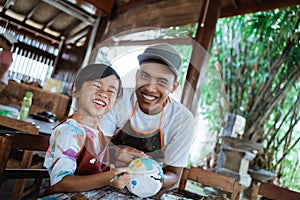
{"x": 175, "y": 86}
{"x": 136, "y": 74}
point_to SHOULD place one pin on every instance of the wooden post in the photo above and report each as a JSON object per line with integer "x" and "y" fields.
{"x": 208, "y": 18}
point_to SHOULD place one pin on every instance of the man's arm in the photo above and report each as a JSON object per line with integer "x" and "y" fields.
{"x": 122, "y": 155}
{"x": 171, "y": 176}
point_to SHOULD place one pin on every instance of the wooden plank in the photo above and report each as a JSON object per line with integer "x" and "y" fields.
{"x": 212, "y": 179}
{"x": 150, "y": 13}
{"x": 30, "y": 142}
{"x": 105, "y": 5}
{"x": 19, "y": 125}
{"x": 5, "y": 142}
{"x": 278, "y": 193}
{"x": 198, "y": 63}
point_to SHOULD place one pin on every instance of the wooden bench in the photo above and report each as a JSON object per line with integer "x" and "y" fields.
{"x": 211, "y": 179}
{"x": 272, "y": 191}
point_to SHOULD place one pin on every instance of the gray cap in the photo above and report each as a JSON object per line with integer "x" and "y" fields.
{"x": 163, "y": 52}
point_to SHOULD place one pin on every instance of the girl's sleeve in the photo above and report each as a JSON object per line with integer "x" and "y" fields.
{"x": 66, "y": 142}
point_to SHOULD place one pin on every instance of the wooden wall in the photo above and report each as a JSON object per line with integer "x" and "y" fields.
{"x": 42, "y": 100}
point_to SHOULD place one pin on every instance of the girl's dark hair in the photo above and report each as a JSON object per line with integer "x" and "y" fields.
{"x": 96, "y": 71}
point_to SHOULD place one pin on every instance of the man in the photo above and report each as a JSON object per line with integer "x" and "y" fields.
{"x": 6, "y": 42}
{"x": 147, "y": 122}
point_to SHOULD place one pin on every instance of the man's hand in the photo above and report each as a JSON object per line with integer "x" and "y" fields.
{"x": 122, "y": 155}
{"x": 171, "y": 179}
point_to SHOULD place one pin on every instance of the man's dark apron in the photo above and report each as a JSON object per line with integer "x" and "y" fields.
{"x": 151, "y": 142}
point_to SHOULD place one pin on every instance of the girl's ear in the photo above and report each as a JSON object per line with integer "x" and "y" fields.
{"x": 74, "y": 90}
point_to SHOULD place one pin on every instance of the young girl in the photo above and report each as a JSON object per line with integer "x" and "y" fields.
{"x": 78, "y": 157}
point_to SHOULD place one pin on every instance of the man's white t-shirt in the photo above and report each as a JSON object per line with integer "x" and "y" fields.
{"x": 177, "y": 126}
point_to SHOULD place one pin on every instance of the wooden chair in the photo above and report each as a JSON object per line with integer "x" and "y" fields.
{"x": 26, "y": 142}
{"x": 23, "y": 126}
{"x": 211, "y": 179}
{"x": 272, "y": 191}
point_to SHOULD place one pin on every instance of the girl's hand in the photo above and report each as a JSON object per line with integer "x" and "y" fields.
{"x": 121, "y": 177}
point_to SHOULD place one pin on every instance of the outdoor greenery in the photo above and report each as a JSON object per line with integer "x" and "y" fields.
{"x": 257, "y": 56}
{"x": 253, "y": 71}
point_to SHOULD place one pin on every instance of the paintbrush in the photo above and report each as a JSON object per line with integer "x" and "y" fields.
{"x": 116, "y": 177}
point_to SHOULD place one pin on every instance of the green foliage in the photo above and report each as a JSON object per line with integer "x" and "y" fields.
{"x": 259, "y": 56}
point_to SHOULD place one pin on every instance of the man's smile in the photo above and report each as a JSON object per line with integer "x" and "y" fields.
{"x": 149, "y": 97}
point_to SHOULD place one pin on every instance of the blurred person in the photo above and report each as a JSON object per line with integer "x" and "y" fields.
{"x": 7, "y": 40}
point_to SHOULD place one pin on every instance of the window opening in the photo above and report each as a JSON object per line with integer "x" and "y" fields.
{"x": 33, "y": 60}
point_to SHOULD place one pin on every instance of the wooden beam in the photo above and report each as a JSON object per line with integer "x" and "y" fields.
{"x": 133, "y": 4}
{"x": 173, "y": 41}
{"x": 196, "y": 71}
{"x": 30, "y": 29}
{"x": 51, "y": 21}
{"x": 144, "y": 13}
{"x": 105, "y": 5}
{"x": 246, "y": 7}
{"x": 32, "y": 11}
{"x": 19, "y": 125}
{"x": 161, "y": 14}
{"x": 71, "y": 10}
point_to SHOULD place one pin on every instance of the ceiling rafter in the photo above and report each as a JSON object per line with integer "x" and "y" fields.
{"x": 71, "y": 27}
{"x": 63, "y": 6}
{"x": 30, "y": 28}
{"x": 80, "y": 38}
{"x": 29, "y": 15}
{"x": 76, "y": 37}
{"x": 235, "y": 3}
{"x": 133, "y": 4}
{"x": 7, "y": 5}
{"x": 51, "y": 21}
{"x": 48, "y": 24}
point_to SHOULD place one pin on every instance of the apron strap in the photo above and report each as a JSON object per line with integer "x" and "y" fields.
{"x": 159, "y": 126}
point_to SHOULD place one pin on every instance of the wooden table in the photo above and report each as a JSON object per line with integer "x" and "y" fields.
{"x": 109, "y": 193}
{"x": 8, "y": 124}
{"x": 104, "y": 193}
{"x": 30, "y": 125}
{"x": 43, "y": 127}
